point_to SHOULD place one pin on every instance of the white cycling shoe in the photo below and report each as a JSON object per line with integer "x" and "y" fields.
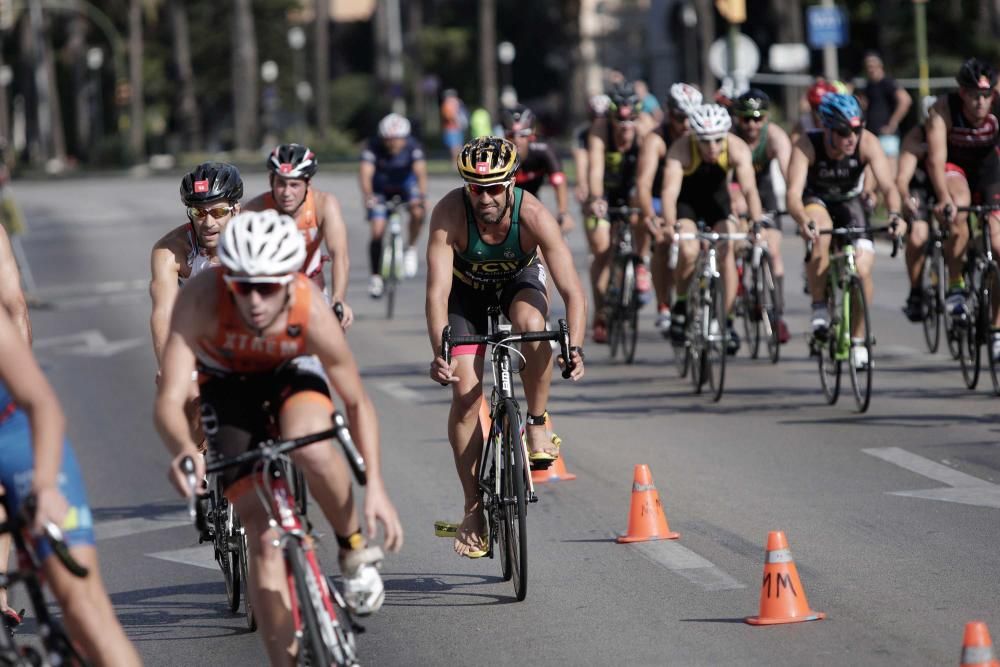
{"x": 364, "y": 591}
{"x": 410, "y": 262}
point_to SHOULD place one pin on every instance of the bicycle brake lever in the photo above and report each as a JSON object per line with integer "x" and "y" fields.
{"x": 187, "y": 467}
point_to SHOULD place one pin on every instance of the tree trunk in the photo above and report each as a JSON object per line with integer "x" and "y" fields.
{"x": 415, "y": 26}
{"x": 322, "y": 42}
{"x": 245, "y": 95}
{"x": 187, "y": 103}
{"x": 488, "y": 56}
{"x": 706, "y": 35}
{"x": 75, "y": 58}
{"x": 137, "y": 111}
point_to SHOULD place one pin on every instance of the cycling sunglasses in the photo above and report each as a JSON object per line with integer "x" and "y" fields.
{"x": 264, "y": 286}
{"x": 520, "y": 133}
{"x": 194, "y": 212}
{"x": 848, "y": 131}
{"x": 492, "y": 190}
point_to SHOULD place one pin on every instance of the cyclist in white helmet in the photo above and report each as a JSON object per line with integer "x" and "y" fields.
{"x": 696, "y": 188}
{"x": 649, "y": 185}
{"x": 268, "y": 348}
{"x": 393, "y": 165}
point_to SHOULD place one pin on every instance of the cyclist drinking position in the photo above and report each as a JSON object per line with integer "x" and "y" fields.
{"x": 393, "y": 165}
{"x": 696, "y": 188}
{"x": 825, "y": 183}
{"x": 291, "y": 168}
{"x": 38, "y": 461}
{"x": 482, "y": 251}
{"x": 250, "y": 327}
{"x": 649, "y": 186}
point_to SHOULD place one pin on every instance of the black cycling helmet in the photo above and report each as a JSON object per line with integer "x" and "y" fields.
{"x": 624, "y": 101}
{"x": 976, "y": 74}
{"x": 292, "y": 161}
{"x": 211, "y": 181}
{"x": 518, "y": 119}
{"x": 752, "y": 104}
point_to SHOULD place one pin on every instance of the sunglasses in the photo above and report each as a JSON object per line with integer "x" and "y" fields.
{"x": 263, "y": 286}
{"x": 194, "y": 212}
{"x": 521, "y": 133}
{"x": 846, "y": 132}
{"x": 492, "y": 190}
{"x": 751, "y": 119}
{"x": 975, "y": 93}
{"x": 711, "y": 142}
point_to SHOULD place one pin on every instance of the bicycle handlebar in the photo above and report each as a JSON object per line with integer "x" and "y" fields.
{"x": 854, "y": 232}
{"x": 497, "y": 337}
{"x": 51, "y": 533}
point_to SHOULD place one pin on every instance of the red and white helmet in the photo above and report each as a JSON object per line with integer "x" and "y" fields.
{"x": 710, "y": 121}
{"x": 292, "y": 161}
{"x": 394, "y": 126}
{"x": 684, "y": 98}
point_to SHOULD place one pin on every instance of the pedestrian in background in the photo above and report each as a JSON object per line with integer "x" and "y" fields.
{"x": 454, "y": 120}
{"x": 886, "y": 104}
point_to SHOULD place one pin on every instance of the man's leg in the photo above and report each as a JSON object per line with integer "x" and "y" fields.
{"x": 773, "y": 238}
{"x": 599, "y": 240}
{"x": 816, "y": 269}
{"x": 864, "y": 259}
{"x": 528, "y": 311}
{"x": 727, "y": 263}
{"x": 958, "y": 236}
{"x": 465, "y": 433}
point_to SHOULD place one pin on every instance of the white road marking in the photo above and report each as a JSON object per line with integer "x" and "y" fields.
{"x": 199, "y": 556}
{"x": 109, "y": 530}
{"x": 962, "y": 488}
{"x": 400, "y": 392}
{"x": 696, "y": 569}
{"x": 76, "y": 289}
{"x": 89, "y": 343}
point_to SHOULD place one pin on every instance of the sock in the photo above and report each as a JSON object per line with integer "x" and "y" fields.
{"x": 352, "y": 542}
{"x": 375, "y": 255}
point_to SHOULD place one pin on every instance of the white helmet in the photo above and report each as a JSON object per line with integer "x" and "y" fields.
{"x": 394, "y": 126}
{"x": 262, "y": 243}
{"x": 684, "y": 97}
{"x": 599, "y": 105}
{"x": 710, "y": 121}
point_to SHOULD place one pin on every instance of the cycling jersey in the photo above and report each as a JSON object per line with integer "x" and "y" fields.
{"x": 834, "y": 180}
{"x": 539, "y": 162}
{"x": 235, "y": 348}
{"x": 17, "y": 464}
{"x": 619, "y": 170}
{"x": 483, "y": 264}
{"x": 762, "y": 169}
{"x": 975, "y": 151}
{"x": 704, "y": 191}
{"x": 197, "y": 258}
{"x": 662, "y": 163}
{"x": 308, "y": 223}
{"x": 392, "y": 171}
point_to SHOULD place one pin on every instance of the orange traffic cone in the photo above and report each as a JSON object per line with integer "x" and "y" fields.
{"x": 554, "y": 473}
{"x": 977, "y": 647}
{"x": 646, "y": 520}
{"x": 782, "y": 598}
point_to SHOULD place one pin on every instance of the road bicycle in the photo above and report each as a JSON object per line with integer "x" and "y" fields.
{"x": 219, "y": 524}
{"x": 323, "y": 624}
{"x": 974, "y": 332}
{"x": 503, "y": 477}
{"x": 848, "y": 307}
{"x": 706, "y": 331}
{"x": 933, "y": 288}
{"x": 759, "y": 296}
{"x": 622, "y": 301}
{"x": 56, "y": 647}
{"x": 392, "y": 253}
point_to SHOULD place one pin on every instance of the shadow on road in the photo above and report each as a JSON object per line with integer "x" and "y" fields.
{"x": 182, "y": 613}
{"x": 144, "y": 511}
{"x": 441, "y": 590}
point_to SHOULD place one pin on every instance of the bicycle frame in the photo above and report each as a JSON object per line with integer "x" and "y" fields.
{"x": 842, "y": 267}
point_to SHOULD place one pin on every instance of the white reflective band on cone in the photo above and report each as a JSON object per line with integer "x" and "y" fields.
{"x": 973, "y": 655}
{"x": 643, "y": 487}
{"x": 779, "y": 556}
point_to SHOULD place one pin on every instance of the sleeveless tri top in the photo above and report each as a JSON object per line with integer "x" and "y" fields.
{"x": 484, "y": 264}
{"x": 308, "y": 223}
{"x": 834, "y": 180}
{"x": 968, "y": 146}
{"x": 197, "y": 258}
{"x": 619, "y": 169}
{"x": 704, "y": 179}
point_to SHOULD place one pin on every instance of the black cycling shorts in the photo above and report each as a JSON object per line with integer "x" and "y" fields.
{"x": 925, "y": 199}
{"x": 983, "y": 178}
{"x": 468, "y": 307}
{"x": 240, "y": 411}
{"x": 710, "y": 209}
{"x": 850, "y": 213}
{"x": 768, "y": 200}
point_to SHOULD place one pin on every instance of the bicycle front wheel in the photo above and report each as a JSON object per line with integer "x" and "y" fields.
{"x": 967, "y": 333}
{"x": 225, "y": 547}
{"x": 932, "y": 296}
{"x": 768, "y": 299}
{"x": 514, "y": 528}
{"x": 826, "y": 354}
{"x": 322, "y": 639}
{"x": 243, "y": 554}
{"x": 860, "y": 362}
{"x": 613, "y": 306}
{"x": 989, "y": 288}
{"x": 717, "y": 339}
{"x": 697, "y": 330}
{"x": 629, "y": 316}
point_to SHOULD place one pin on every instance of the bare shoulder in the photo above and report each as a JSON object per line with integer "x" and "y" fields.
{"x": 738, "y": 149}
{"x": 255, "y": 204}
{"x": 775, "y": 131}
{"x": 680, "y": 150}
{"x": 450, "y": 209}
{"x": 174, "y": 243}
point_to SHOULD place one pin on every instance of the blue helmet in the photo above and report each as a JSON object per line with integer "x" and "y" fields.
{"x": 839, "y": 111}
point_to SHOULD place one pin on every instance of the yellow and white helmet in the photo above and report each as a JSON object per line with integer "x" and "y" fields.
{"x": 487, "y": 160}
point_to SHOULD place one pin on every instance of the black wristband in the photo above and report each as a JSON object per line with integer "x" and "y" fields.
{"x": 578, "y": 349}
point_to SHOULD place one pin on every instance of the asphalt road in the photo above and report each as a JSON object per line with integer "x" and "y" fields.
{"x": 892, "y": 516}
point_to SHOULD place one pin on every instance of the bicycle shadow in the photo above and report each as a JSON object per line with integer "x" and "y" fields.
{"x": 404, "y": 589}
{"x": 170, "y": 613}
{"x": 153, "y": 510}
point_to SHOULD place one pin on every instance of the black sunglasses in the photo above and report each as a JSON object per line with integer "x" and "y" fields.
{"x": 846, "y": 132}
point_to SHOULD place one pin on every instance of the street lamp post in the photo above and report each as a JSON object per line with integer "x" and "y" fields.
{"x": 297, "y": 41}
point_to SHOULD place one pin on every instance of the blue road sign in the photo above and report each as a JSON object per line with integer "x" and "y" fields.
{"x": 826, "y": 26}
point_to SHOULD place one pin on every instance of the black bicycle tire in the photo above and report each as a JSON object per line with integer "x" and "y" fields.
{"x": 695, "y": 336}
{"x": 495, "y": 508}
{"x": 720, "y": 350}
{"x": 862, "y": 400}
{"x": 244, "y": 562}
{"x": 223, "y": 546}
{"x": 630, "y": 312}
{"x": 318, "y": 652}
{"x": 769, "y": 306}
{"x": 826, "y": 351}
{"x": 968, "y": 336}
{"x": 613, "y": 307}
{"x": 929, "y": 296}
{"x": 990, "y": 276}
{"x": 516, "y": 514}
{"x": 754, "y": 311}
{"x": 682, "y": 351}
{"x": 390, "y": 281}
{"x": 744, "y": 300}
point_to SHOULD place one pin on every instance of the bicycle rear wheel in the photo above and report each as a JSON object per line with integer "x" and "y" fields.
{"x": 989, "y": 289}
{"x": 932, "y": 296}
{"x": 243, "y": 554}
{"x": 967, "y": 333}
{"x": 321, "y": 639}
{"x": 768, "y": 299}
{"x": 826, "y": 353}
{"x": 515, "y": 501}
{"x": 629, "y": 315}
{"x": 718, "y": 338}
{"x": 614, "y": 306}
{"x": 861, "y": 378}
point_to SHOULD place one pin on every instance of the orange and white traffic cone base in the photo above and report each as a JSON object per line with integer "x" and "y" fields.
{"x": 782, "y": 598}
{"x": 646, "y": 520}
{"x": 977, "y": 647}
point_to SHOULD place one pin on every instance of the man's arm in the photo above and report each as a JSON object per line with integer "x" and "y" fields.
{"x": 745, "y": 175}
{"x": 163, "y": 290}
{"x": 365, "y": 176}
{"x": 780, "y": 148}
{"x": 11, "y": 296}
{"x": 595, "y": 156}
{"x": 908, "y": 160}
{"x": 649, "y": 158}
{"x": 937, "y": 152}
{"x": 335, "y": 237}
{"x": 903, "y": 104}
{"x": 673, "y": 178}
{"x": 798, "y": 169}
{"x": 440, "y": 256}
{"x": 420, "y": 170}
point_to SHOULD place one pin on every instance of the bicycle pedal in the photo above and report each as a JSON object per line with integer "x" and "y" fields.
{"x": 532, "y": 497}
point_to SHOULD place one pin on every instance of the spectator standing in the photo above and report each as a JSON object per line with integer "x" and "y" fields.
{"x": 454, "y": 120}
{"x": 886, "y": 104}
